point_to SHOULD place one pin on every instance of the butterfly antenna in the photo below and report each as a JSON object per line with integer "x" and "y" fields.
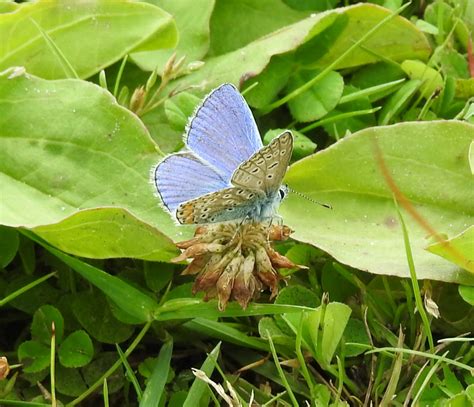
{"x": 309, "y": 199}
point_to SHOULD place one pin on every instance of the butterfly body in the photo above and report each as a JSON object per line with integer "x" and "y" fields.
{"x": 227, "y": 174}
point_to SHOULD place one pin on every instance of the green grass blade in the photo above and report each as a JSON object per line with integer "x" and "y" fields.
{"x": 281, "y": 373}
{"x": 225, "y": 333}
{"x": 156, "y": 384}
{"x": 66, "y": 65}
{"x": 373, "y": 90}
{"x": 130, "y": 373}
{"x": 416, "y": 288}
{"x": 25, "y": 288}
{"x": 337, "y": 117}
{"x": 330, "y": 67}
{"x": 199, "y": 388}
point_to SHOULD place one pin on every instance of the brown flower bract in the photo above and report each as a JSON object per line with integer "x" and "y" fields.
{"x": 235, "y": 260}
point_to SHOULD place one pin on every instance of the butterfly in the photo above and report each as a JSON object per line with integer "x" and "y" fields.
{"x": 225, "y": 173}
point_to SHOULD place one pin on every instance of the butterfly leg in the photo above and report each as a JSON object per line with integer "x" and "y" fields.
{"x": 239, "y": 227}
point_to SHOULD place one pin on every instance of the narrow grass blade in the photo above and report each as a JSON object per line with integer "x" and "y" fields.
{"x": 199, "y": 388}
{"x": 225, "y": 333}
{"x": 156, "y": 385}
{"x": 330, "y": 67}
{"x": 130, "y": 373}
{"x": 66, "y": 65}
{"x": 186, "y": 308}
{"x": 281, "y": 373}
{"x": 337, "y": 117}
{"x": 372, "y": 91}
{"x": 25, "y": 288}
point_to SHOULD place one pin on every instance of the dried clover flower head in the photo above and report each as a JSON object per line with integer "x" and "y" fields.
{"x": 235, "y": 260}
{"x": 4, "y": 367}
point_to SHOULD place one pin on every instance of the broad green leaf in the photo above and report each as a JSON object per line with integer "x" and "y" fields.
{"x": 34, "y": 355}
{"x": 267, "y": 327}
{"x": 199, "y": 388}
{"x": 192, "y": 21}
{"x": 251, "y": 59}
{"x": 162, "y": 130}
{"x": 76, "y": 350}
{"x": 79, "y": 150}
{"x": 355, "y": 332}
{"x": 75, "y": 28}
{"x": 321, "y": 331}
{"x": 69, "y": 381}
{"x": 236, "y": 23}
{"x": 38, "y": 292}
{"x": 471, "y": 157}
{"x": 318, "y": 100}
{"x": 94, "y": 370}
{"x": 131, "y": 300}
{"x": 467, "y": 293}
{"x": 459, "y": 249}
{"x": 397, "y": 40}
{"x": 179, "y": 108}
{"x": 313, "y": 5}
{"x": 338, "y": 128}
{"x": 465, "y": 88}
{"x": 302, "y": 145}
{"x": 156, "y": 384}
{"x": 298, "y": 295}
{"x": 41, "y": 327}
{"x": 336, "y": 317}
{"x": 93, "y": 313}
{"x": 270, "y": 81}
{"x": 428, "y": 161}
{"x": 431, "y": 79}
{"x": 107, "y": 232}
{"x": 9, "y": 244}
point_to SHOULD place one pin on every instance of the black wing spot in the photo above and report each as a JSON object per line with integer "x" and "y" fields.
{"x": 270, "y": 176}
{"x": 227, "y": 196}
{"x": 255, "y": 170}
{"x": 282, "y": 152}
{"x": 251, "y": 195}
{"x": 273, "y": 165}
{"x": 269, "y": 156}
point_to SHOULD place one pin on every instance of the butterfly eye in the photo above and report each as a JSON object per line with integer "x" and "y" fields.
{"x": 283, "y": 191}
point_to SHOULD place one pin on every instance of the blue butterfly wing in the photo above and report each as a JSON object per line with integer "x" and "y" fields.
{"x": 181, "y": 177}
{"x": 223, "y": 131}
